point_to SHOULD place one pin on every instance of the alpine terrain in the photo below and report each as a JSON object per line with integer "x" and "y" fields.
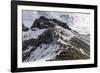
{"x": 53, "y": 40}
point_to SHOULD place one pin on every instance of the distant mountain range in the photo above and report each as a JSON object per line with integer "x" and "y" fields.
{"x": 51, "y": 40}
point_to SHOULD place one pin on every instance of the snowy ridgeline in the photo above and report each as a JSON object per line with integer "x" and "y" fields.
{"x": 59, "y": 44}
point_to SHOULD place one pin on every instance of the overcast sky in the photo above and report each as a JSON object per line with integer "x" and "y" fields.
{"x": 77, "y": 21}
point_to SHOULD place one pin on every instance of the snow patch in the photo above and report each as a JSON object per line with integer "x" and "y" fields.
{"x": 33, "y": 34}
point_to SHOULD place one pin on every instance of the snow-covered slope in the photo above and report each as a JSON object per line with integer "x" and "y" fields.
{"x": 47, "y": 51}
{"x": 63, "y": 39}
{"x": 32, "y": 33}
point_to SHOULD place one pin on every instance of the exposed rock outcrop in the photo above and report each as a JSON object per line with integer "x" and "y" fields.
{"x": 24, "y": 28}
{"x": 44, "y": 22}
{"x": 46, "y": 37}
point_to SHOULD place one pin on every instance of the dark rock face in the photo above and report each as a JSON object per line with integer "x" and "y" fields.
{"x": 70, "y": 54}
{"x": 44, "y": 22}
{"x": 30, "y": 42}
{"x": 24, "y": 28}
{"x": 64, "y": 25}
{"x": 44, "y": 18}
{"x": 46, "y": 37}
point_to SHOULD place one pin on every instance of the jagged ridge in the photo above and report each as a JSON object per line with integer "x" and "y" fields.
{"x": 51, "y": 39}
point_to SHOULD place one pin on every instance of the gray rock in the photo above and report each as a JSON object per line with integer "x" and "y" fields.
{"x": 24, "y": 28}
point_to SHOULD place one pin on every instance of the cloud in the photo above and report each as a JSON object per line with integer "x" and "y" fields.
{"x": 81, "y": 23}
{"x": 77, "y": 21}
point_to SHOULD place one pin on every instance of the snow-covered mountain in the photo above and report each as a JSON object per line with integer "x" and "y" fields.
{"x": 51, "y": 40}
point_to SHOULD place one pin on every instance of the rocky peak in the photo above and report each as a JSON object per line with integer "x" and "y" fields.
{"x": 44, "y": 22}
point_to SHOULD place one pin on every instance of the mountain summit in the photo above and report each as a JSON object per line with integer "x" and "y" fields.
{"x": 51, "y": 40}
{"x": 44, "y": 22}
